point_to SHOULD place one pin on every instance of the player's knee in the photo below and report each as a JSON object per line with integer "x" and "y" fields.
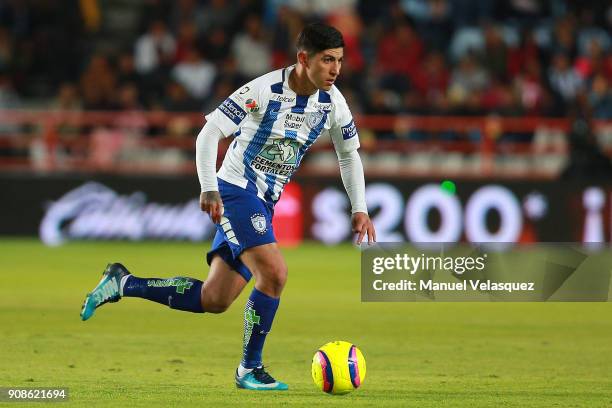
{"x": 276, "y": 277}
{"x": 216, "y": 305}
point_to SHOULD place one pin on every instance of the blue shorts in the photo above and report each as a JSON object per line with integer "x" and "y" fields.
{"x": 246, "y": 223}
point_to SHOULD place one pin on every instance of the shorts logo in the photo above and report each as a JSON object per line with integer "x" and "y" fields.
{"x": 314, "y": 118}
{"x": 349, "y": 130}
{"x": 259, "y": 223}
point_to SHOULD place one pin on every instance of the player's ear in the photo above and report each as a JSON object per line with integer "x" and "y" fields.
{"x": 302, "y": 57}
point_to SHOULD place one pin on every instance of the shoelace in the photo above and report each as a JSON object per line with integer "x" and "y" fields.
{"x": 262, "y": 376}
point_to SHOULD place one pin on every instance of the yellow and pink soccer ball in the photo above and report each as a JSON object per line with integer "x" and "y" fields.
{"x": 338, "y": 367}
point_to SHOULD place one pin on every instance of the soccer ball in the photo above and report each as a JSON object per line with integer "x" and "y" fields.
{"x": 338, "y": 367}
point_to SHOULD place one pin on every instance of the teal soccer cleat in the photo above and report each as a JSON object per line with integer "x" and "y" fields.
{"x": 106, "y": 291}
{"x": 259, "y": 380}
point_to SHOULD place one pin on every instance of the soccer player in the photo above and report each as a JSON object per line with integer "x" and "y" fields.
{"x": 274, "y": 119}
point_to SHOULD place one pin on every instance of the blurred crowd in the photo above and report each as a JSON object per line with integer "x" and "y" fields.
{"x": 428, "y": 57}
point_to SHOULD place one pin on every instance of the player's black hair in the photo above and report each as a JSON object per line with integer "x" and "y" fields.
{"x": 316, "y": 37}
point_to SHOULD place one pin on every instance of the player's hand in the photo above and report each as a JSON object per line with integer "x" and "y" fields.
{"x": 210, "y": 202}
{"x": 362, "y": 225}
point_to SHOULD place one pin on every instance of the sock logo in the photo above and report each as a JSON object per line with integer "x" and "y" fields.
{"x": 250, "y": 319}
{"x": 181, "y": 284}
{"x": 251, "y": 316}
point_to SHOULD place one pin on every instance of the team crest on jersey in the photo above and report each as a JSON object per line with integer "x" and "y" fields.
{"x": 251, "y": 105}
{"x": 259, "y": 223}
{"x": 314, "y": 118}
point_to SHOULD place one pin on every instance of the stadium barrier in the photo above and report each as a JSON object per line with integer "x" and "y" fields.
{"x": 161, "y": 142}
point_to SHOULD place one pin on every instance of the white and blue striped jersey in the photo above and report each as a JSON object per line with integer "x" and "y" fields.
{"x": 273, "y": 129}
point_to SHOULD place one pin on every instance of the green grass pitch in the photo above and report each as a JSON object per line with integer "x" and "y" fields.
{"x": 137, "y": 353}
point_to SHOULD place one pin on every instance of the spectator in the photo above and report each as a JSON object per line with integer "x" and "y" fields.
{"x": 68, "y": 98}
{"x": 393, "y": 62}
{"x": 600, "y": 97}
{"x": 154, "y": 49}
{"x": 186, "y": 40}
{"x": 9, "y": 99}
{"x": 126, "y": 70}
{"x": 130, "y": 118}
{"x": 470, "y": 13}
{"x": 68, "y": 101}
{"x": 589, "y": 32}
{"x": 178, "y": 100}
{"x": 6, "y": 50}
{"x": 97, "y": 85}
{"x": 431, "y": 79}
{"x": 587, "y": 161}
{"x": 564, "y": 81}
{"x": 564, "y": 37}
{"x": 251, "y": 50}
{"x": 183, "y": 10}
{"x": 383, "y": 102}
{"x": 528, "y": 52}
{"x": 8, "y": 131}
{"x": 466, "y": 40}
{"x": 468, "y": 78}
{"x": 217, "y": 13}
{"x": 528, "y": 85}
{"x": 589, "y": 62}
{"x": 495, "y": 54}
{"x": 432, "y": 20}
{"x": 399, "y": 53}
{"x": 216, "y": 44}
{"x": 195, "y": 74}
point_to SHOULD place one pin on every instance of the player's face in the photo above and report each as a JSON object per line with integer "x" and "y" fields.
{"x": 324, "y": 67}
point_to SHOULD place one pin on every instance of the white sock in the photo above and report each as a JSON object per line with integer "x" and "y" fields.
{"x": 242, "y": 370}
{"x": 122, "y": 284}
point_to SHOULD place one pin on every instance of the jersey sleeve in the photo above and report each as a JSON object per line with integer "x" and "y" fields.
{"x": 343, "y": 131}
{"x": 233, "y": 111}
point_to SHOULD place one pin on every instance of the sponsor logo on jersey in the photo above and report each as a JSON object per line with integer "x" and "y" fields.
{"x": 283, "y": 98}
{"x": 349, "y": 130}
{"x": 233, "y": 111}
{"x": 294, "y": 120}
{"x": 279, "y": 158}
{"x": 281, "y": 151}
{"x": 251, "y": 105}
{"x": 244, "y": 90}
{"x": 259, "y": 223}
{"x": 322, "y": 106}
